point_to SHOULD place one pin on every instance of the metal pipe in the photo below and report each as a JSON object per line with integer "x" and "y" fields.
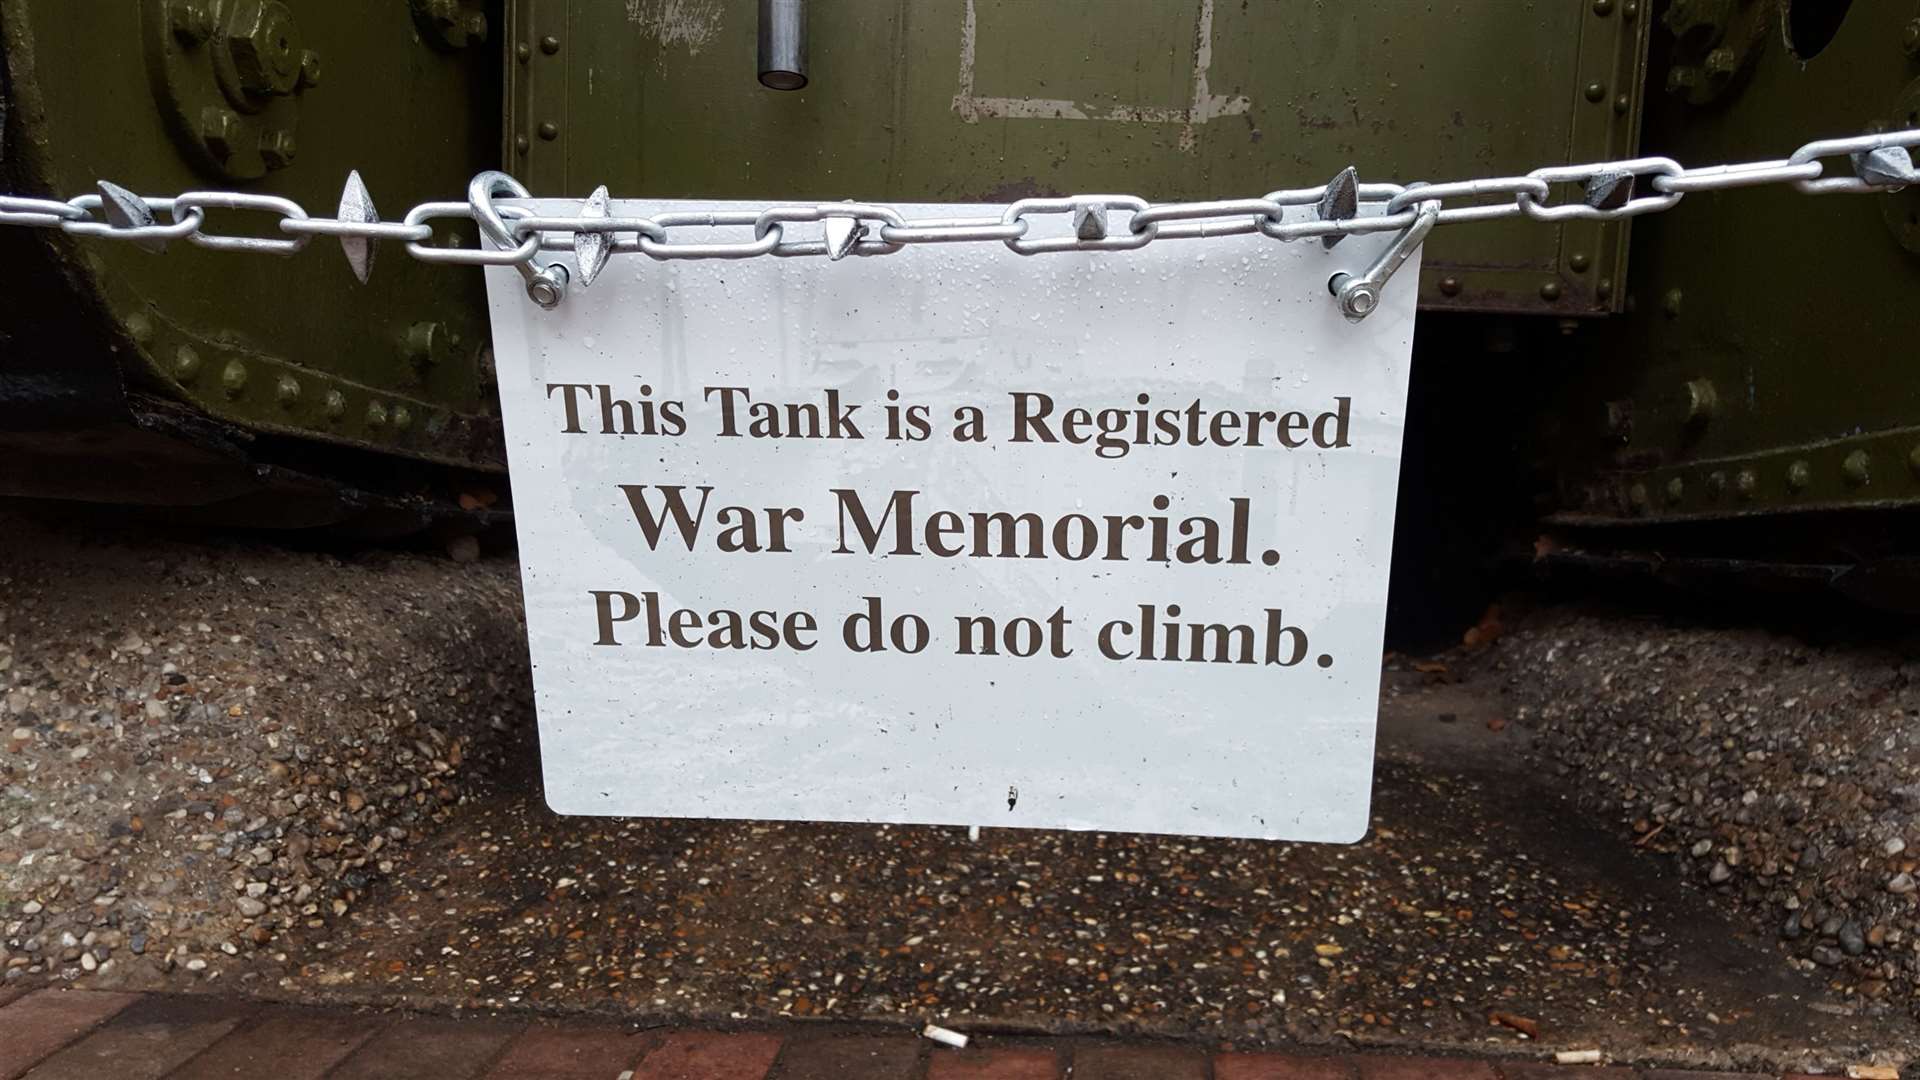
{"x": 783, "y": 44}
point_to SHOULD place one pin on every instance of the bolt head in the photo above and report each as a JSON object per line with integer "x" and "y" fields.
{"x": 1747, "y": 483}
{"x": 376, "y": 414}
{"x": 277, "y": 148}
{"x": 219, "y": 132}
{"x": 544, "y": 293}
{"x": 265, "y": 46}
{"x": 190, "y": 20}
{"x": 310, "y": 69}
{"x": 427, "y": 344}
{"x": 287, "y": 391}
{"x": 334, "y": 404}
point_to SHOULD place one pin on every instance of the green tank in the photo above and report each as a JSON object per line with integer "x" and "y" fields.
{"x": 1660, "y": 383}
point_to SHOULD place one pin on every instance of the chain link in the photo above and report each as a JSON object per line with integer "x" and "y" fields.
{"x": 1609, "y": 190}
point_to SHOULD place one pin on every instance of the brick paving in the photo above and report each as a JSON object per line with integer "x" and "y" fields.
{"x": 51, "y": 1034}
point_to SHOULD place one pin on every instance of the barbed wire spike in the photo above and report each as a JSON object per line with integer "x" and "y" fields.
{"x": 1889, "y": 167}
{"x": 1340, "y": 201}
{"x": 356, "y": 204}
{"x": 1090, "y": 220}
{"x": 1609, "y": 190}
{"x": 842, "y": 233}
{"x": 591, "y": 249}
{"x": 125, "y": 210}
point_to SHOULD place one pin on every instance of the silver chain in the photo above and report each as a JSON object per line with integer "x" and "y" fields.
{"x": 1332, "y": 211}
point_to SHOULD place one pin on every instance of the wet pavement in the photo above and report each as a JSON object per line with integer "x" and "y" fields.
{"x": 1482, "y": 911}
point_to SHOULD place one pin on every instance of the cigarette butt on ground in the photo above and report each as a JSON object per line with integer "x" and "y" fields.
{"x": 1872, "y": 1072}
{"x": 1577, "y": 1057}
{"x": 945, "y": 1037}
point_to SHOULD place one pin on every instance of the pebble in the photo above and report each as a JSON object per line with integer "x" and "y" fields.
{"x": 250, "y": 907}
{"x": 1901, "y": 884}
{"x": 1852, "y": 939}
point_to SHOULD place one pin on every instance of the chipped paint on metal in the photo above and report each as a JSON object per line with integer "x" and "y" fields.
{"x": 1204, "y": 105}
{"x": 693, "y": 24}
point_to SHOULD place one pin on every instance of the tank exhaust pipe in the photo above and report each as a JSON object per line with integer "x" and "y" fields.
{"x": 783, "y": 44}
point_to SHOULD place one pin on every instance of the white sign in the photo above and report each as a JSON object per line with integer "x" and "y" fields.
{"x": 956, "y": 536}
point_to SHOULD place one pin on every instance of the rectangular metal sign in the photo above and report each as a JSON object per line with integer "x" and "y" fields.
{"x": 955, "y": 536}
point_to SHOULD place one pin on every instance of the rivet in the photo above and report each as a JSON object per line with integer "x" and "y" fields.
{"x": 1671, "y": 303}
{"x": 1746, "y": 483}
{"x": 1578, "y": 262}
{"x": 402, "y": 418}
{"x": 1637, "y": 496}
{"x": 1799, "y": 475}
{"x": 1596, "y": 92}
{"x": 1604, "y": 290}
{"x": 1910, "y": 39}
{"x": 1631, "y": 10}
{"x": 334, "y": 404}
{"x": 549, "y": 130}
{"x": 193, "y": 22}
{"x": 234, "y": 378}
{"x": 520, "y": 144}
{"x": 1550, "y": 291}
{"x": 1676, "y": 490}
{"x": 549, "y": 44}
{"x": 1716, "y": 483}
{"x": 1858, "y": 468}
{"x": 1703, "y": 401}
{"x": 522, "y": 53}
{"x": 1450, "y": 286}
{"x": 186, "y": 363}
{"x": 1603, "y": 8}
{"x": 376, "y": 414}
{"x": 1621, "y": 104}
{"x": 139, "y": 328}
{"x": 1913, "y": 461}
{"x": 287, "y": 391}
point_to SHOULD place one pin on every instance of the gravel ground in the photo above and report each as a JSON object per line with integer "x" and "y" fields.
{"x": 207, "y": 745}
{"x": 1781, "y": 778}
{"x": 312, "y": 776}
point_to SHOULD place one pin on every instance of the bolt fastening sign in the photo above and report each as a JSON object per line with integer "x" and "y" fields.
{"x": 1084, "y": 539}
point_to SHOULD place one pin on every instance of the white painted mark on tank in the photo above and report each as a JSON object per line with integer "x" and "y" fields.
{"x": 691, "y": 23}
{"x": 1202, "y": 106}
